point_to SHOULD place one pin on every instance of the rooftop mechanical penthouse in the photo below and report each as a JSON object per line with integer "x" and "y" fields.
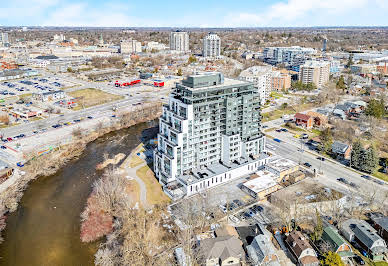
{"x": 209, "y": 134}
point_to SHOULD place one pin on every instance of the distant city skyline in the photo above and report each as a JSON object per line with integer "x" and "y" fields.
{"x": 201, "y": 13}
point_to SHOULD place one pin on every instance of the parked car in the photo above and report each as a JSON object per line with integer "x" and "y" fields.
{"x": 343, "y": 180}
{"x": 234, "y": 219}
{"x": 378, "y": 181}
{"x": 20, "y": 164}
{"x": 239, "y": 203}
{"x": 277, "y": 140}
{"x": 284, "y": 130}
{"x": 90, "y": 117}
{"x": 321, "y": 158}
{"x": 3, "y": 147}
{"x": 307, "y": 165}
{"x": 223, "y": 208}
{"x": 257, "y": 208}
{"x": 359, "y": 260}
{"x": 366, "y": 177}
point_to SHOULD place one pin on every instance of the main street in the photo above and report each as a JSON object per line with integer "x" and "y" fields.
{"x": 329, "y": 170}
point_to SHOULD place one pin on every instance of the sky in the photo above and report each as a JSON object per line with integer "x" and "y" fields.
{"x": 194, "y": 13}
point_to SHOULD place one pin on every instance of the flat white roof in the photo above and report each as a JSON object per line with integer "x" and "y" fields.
{"x": 265, "y": 180}
{"x": 282, "y": 164}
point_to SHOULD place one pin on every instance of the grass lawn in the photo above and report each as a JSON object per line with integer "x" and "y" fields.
{"x": 135, "y": 161}
{"x": 276, "y": 114}
{"x": 155, "y": 194}
{"x": 91, "y": 97}
{"x": 276, "y": 95}
{"x": 316, "y": 132}
{"x": 381, "y": 176}
{"x": 380, "y": 263}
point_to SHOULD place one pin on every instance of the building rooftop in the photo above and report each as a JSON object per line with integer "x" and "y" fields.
{"x": 209, "y": 81}
{"x": 282, "y": 164}
{"x": 264, "y": 180}
{"x": 216, "y": 169}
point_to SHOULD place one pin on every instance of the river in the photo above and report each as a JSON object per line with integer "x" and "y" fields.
{"x": 45, "y": 228}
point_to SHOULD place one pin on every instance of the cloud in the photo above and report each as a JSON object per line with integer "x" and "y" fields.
{"x": 296, "y": 11}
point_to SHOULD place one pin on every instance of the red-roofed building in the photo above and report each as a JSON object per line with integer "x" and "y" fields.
{"x": 304, "y": 120}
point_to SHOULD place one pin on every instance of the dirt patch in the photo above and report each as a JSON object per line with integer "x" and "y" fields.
{"x": 91, "y": 97}
{"x": 115, "y": 160}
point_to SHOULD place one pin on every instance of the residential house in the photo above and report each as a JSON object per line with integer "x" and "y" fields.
{"x": 341, "y": 150}
{"x": 248, "y": 233}
{"x": 365, "y": 236}
{"x": 225, "y": 250}
{"x": 262, "y": 252}
{"x": 301, "y": 249}
{"x": 380, "y": 223}
{"x": 304, "y": 120}
{"x": 320, "y": 120}
{"x": 339, "y": 113}
{"x": 337, "y": 243}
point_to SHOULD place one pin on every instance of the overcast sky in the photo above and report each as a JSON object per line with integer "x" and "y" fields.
{"x": 194, "y": 13}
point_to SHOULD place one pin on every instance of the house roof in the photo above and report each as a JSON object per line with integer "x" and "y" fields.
{"x": 221, "y": 247}
{"x": 333, "y": 237}
{"x": 301, "y": 116}
{"x": 297, "y": 242}
{"x": 247, "y": 233}
{"x": 339, "y": 147}
{"x": 366, "y": 234}
{"x": 382, "y": 221}
{"x": 260, "y": 248}
{"x": 308, "y": 260}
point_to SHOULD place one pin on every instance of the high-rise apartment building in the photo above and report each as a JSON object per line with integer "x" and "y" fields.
{"x": 209, "y": 133}
{"x": 260, "y": 76}
{"x": 179, "y": 41}
{"x": 130, "y": 46}
{"x": 316, "y": 72}
{"x": 4, "y": 38}
{"x": 211, "y": 46}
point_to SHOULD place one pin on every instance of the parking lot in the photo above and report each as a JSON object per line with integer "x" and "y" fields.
{"x": 32, "y": 85}
{"x": 229, "y": 201}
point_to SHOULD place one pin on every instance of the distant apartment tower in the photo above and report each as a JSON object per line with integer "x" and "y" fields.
{"x": 260, "y": 76}
{"x": 280, "y": 80}
{"x": 209, "y": 133}
{"x": 4, "y": 38}
{"x": 211, "y": 46}
{"x": 179, "y": 41}
{"x": 130, "y": 46}
{"x": 324, "y": 45}
{"x": 316, "y": 72}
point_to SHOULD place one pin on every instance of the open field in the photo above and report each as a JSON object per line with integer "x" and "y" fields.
{"x": 91, "y": 97}
{"x": 155, "y": 195}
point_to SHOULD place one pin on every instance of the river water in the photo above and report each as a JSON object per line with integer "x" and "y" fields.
{"x": 46, "y": 227}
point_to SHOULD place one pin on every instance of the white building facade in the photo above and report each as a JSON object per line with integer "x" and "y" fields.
{"x": 209, "y": 134}
{"x": 211, "y": 46}
{"x": 179, "y": 41}
{"x": 316, "y": 72}
{"x": 261, "y": 77}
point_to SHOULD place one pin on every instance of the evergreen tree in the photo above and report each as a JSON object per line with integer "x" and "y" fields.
{"x": 341, "y": 83}
{"x": 371, "y": 160}
{"x": 356, "y": 155}
{"x": 375, "y": 108}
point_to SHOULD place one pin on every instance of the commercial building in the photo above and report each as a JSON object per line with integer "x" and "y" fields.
{"x": 363, "y": 68}
{"x": 211, "y": 46}
{"x": 130, "y": 46}
{"x": 316, "y": 72}
{"x": 155, "y": 46}
{"x": 209, "y": 133}
{"x": 179, "y": 41}
{"x": 261, "y": 78}
{"x": 263, "y": 184}
{"x": 49, "y": 96}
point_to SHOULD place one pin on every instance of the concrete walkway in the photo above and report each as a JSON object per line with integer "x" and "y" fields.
{"x": 131, "y": 174}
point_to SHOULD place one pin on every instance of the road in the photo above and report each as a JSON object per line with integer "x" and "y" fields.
{"x": 330, "y": 169}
